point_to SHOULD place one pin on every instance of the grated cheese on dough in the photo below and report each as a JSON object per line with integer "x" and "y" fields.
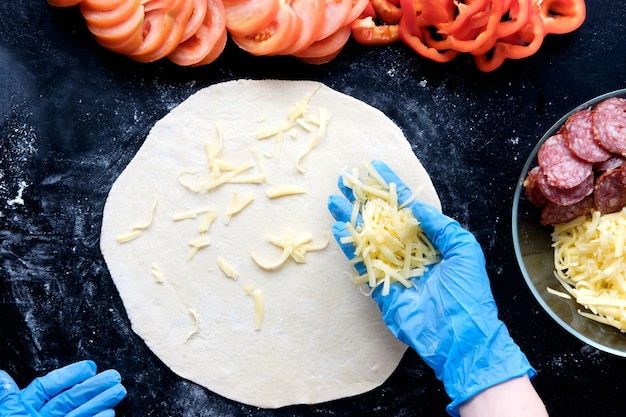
{"x": 138, "y": 229}
{"x": 227, "y": 268}
{"x": 259, "y": 308}
{"x": 196, "y": 323}
{"x": 294, "y": 245}
{"x": 284, "y": 190}
{"x": 237, "y": 204}
{"x": 157, "y": 273}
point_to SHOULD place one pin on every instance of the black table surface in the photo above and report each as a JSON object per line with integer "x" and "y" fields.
{"x": 72, "y": 115}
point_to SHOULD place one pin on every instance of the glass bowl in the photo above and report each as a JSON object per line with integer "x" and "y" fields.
{"x": 534, "y": 253}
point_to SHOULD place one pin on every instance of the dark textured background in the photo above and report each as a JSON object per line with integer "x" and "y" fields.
{"x": 72, "y": 115}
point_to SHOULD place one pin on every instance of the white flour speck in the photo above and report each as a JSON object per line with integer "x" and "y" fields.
{"x": 18, "y": 199}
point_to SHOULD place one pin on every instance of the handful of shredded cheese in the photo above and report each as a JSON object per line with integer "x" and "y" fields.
{"x": 388, "y": 239}
{"x": 590, "y": 264}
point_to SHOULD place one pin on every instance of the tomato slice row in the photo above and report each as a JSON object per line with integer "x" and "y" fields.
{"x": 195, "y": 32}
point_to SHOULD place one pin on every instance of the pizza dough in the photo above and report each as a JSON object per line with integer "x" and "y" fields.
{"x": 320, "y": 338}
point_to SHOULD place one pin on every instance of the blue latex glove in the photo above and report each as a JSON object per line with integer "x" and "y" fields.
{"x": 74, "y": 391}
{"x": 450, "y": 318}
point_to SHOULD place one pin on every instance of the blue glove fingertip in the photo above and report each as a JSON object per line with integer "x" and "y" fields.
{"x": 7, "y": 385}
{"x": 101, "y": 403}
{"x": 106, "y": 413}
{"x": 109, "y": 377}
{"x": 340, "y": 208}
{"x": 339, "y": 231}
{"x": 389, "y": 175}
{"x": 345, "y": 190}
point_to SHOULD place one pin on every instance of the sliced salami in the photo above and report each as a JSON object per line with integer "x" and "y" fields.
{"x": 561, "y": 168}
{"x": 554, "y": 214}
{"x": 609, "y": 192}
{"x": 533, "y": 192}
{"x": 565, "y": 196}
{"x": 553, "y": 151}
{"x": 609, "y": 124}
{"x": 581, "y": 140}
{"x": 613, "y": 162}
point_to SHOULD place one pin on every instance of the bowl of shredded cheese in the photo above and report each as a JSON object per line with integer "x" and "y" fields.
{"x": 576, "y": 267}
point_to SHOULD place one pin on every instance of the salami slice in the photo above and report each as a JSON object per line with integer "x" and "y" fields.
{"x": 560, "y": 167}
{"x": 581, "y": 140}
{"x": 533, "y": 192}
{"x": 609, "y": 124}
{"x": 609, "y": 192}
{"x": 554, "y": 214}
{"x": 565, "y": 196}
{"x": 613, "y": 162}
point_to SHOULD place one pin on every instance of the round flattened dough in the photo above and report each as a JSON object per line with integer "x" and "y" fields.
{"x": 321, "y": 339}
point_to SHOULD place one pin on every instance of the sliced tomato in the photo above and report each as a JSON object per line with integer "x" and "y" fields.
{"x": 63, "y": 3}
{"x": 311, "y": 14}
{"x": 108, "y": 18}
{"x": 336, "y": 13}
{"x": 120, "y": 34}
{"x": 358, "y": 7}
{"x": 126, "y": 46}
{"x": 164, "y": 31}
{"x": 151, "y": 5}
{"x": 102, "y": 5}
{"x": 217, "y": 50}
{"x": 197, "y": 17}
{"x": 326, "y": 49}
{"x": 247, "y": 17}
{"x": 203, "y": 42}
{"x": 277, "y": 36}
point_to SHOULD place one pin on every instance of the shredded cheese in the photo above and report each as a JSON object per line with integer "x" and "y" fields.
{"x": 294, "y": 245}
{"x": 324, "y": 119}
{"x": 237, "y": 204}
{"x": 196, "y": 323}
{"x": 208, "y": 220}
{"x": 198, "y": 244}
{"x": 284, "y": 190}
{"x": 388, "y": 239}
{"x": 157, "y": 273}
{"x": 301, "y": 107}
{"x": 227, "y": 268}
{"x": 127, "y": 237}
{"x": 138, "y": 229}
{"x": 212, "y": 182}
{"x": 298, "y": 117}
{"x": 259, "y": 305}
{"x": 590, "y": 264}
{"x": 190, "y": 214}
{"x": 149, "y": 221}
{"x": 259, "y": 308}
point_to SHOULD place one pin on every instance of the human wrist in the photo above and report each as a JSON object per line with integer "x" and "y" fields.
{"x": 515, "y": 397}
{"x": 489, "y": 362}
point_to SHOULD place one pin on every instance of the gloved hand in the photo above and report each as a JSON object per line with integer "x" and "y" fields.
{"x": 74, "y": 391}
{"x": 450, "y": 317}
